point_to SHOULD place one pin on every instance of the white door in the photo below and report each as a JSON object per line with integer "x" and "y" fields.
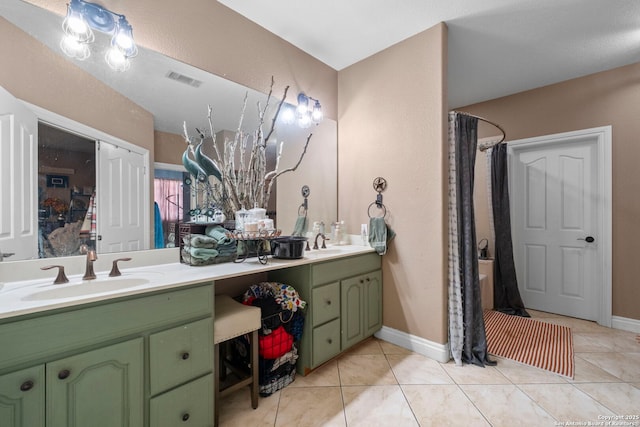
{"x": 18, "y": 178}
{"x": 121, "y": 201}
{"x": 558, "y": 213}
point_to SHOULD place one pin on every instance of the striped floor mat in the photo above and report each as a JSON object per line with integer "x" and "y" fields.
{"x": 532, "y": 342}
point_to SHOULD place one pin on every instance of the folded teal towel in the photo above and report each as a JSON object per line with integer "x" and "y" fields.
{"x": 187, "y": 258}
{"x": 218, "y": 233}
{"x": 201, "y": 241}
{"x": 203, "y": 253}
{"x": 300, "y": 229}
{"x": 380, "y": 234}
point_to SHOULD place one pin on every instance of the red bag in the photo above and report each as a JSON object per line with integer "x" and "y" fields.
{"x": 276, "y": 344}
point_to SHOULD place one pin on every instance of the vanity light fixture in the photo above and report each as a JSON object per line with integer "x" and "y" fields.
{"x": 304, "y": 114}
{"x": 84, "y": 17}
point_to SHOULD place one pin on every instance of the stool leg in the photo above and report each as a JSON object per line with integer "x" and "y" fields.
{"x": 222, "y": 358}
{"x": 216, "y": 383}
{"x": 255, "y": 370}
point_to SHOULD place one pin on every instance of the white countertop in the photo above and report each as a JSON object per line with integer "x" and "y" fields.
{"x": 37, "y": 295}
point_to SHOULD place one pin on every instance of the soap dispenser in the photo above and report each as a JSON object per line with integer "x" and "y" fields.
{"x": 339, "y": 233}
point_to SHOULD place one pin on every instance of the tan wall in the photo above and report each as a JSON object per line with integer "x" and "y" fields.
{"x": 169, "y": 147}
{"x": 606, "y": 98}
{"x": 392, "y": 123}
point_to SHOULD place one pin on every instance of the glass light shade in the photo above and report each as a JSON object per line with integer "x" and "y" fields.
{"x": 288, "y": 116}
{"x": 75, "y": 26}
{"x": 117, "y": 60}
{"x": 317, "y": 114}
{"x": 74, "y": 48}
{"x": 123, "y": 38}
{"x": 303, "y": 105}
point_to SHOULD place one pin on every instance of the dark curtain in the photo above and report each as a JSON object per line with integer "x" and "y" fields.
{"x": 475, "y": 342}
{"x": 506, "y": 297}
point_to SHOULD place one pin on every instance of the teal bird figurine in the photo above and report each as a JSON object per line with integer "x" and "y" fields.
{"x": 193, "y": 167}
{"x": 206, "y": 163}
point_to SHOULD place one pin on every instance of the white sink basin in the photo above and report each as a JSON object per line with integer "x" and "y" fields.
{"x": 88, "y": 287}
{"x": 316, "y": 253}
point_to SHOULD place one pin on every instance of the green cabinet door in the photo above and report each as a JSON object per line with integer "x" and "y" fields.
{"x": 361, "y": 307}
{"x": 352, "y": 311}
{"x": 98, "y": 388}
{"x": 372, "y": 303}
{"x": 22, "y": 398}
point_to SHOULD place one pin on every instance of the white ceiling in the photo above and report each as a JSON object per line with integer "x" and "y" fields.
{"x": 496, "y": 47}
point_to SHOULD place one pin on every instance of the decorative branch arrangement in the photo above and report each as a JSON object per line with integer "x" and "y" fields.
{"x": 222, "y": 182}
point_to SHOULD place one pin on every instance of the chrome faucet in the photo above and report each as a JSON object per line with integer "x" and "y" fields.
{"x": 324, "y": 238}
{"x": 91, "y": 257}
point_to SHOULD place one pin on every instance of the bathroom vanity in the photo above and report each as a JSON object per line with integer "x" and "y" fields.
{"x": 345, "y": 305}
{"x": 68, "y": 353}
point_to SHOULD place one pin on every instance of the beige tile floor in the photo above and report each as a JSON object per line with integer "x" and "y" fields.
{"x": 380, "y": 384}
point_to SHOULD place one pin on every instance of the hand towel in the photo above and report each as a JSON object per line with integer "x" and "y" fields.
{"x": 219, "y": 233}
{"x": 201, "y": 241}
{"x": 157, "y": 229}
{"x": 300, "y": 229}
{"x": 380, "y": 234}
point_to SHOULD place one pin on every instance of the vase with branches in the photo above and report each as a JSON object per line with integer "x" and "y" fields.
{"x": 237, "y": 176}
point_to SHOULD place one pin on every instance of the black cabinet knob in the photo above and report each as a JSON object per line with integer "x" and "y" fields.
{"x": 26, "y": 386}
{"x": 64, "y": 374}
{"x": 328, "y": 302}
{"x": 185, "y": 416}
{"x": 329, "y": 340}
{"x": 185, "y": 355}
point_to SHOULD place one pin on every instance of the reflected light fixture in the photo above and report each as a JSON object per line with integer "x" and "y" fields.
{"x": 84, "y": 17}
{"x": 304, "y": 114}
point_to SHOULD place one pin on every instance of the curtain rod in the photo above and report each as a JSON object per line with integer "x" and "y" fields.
{"x": 484, "y": 146}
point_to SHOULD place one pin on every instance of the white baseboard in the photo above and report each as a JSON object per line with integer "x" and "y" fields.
{"x": 625, "y": 324}
{"x": 430, "y": 349}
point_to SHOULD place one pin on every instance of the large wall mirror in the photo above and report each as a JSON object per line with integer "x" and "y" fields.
{"x": 173, "y": 93}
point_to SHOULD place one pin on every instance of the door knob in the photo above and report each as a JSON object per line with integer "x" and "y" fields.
{"x": 588, "y": 239}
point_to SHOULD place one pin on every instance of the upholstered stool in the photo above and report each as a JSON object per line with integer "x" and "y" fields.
{"x": 234, "y": 319}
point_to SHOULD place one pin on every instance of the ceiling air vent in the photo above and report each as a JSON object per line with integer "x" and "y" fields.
{"x": 184, "y": 79}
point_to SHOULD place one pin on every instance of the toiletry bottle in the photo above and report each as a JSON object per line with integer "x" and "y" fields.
{"x": 364, "y": 233}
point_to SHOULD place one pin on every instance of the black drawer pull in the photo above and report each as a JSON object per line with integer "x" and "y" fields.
{"x": 64, "y": 374}
{"x": 185, "y": 416}
{"x": 26, "y": 386}
{"x": 185, "y": 355}
{"x": 368, "y": 280}
{"x": 329, "y": 340}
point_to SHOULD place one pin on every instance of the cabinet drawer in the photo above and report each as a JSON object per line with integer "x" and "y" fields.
{"x": 333, "y": 270}
{"x": 326, "y": 342}
{"x": 177, "y": 355}
{"x": 189, "y": 405}
{"x": 325, "y": 302}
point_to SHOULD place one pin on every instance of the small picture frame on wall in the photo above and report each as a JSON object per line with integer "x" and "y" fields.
{"x": 57, "y": 181}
